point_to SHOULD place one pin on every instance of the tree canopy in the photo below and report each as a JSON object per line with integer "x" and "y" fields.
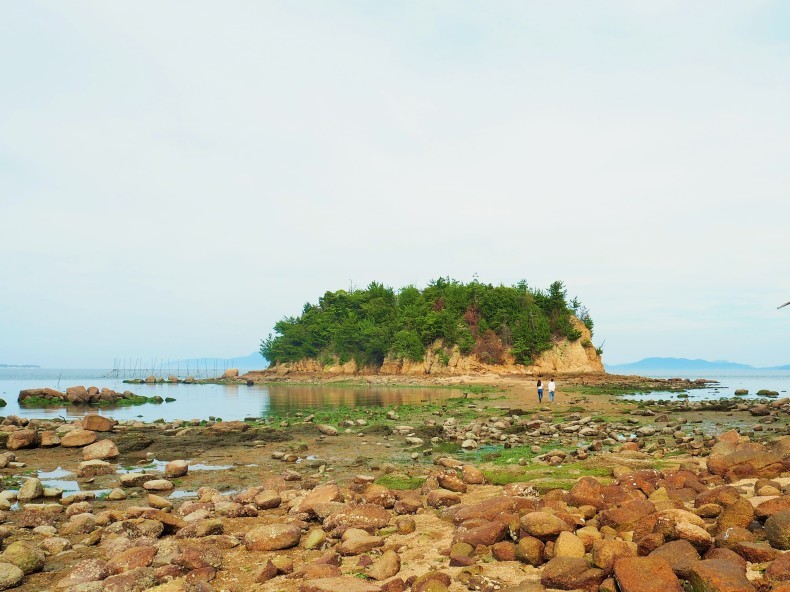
{"x": 368, "y": 325}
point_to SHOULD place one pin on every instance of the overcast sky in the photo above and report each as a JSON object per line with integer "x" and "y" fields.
{"x": 177, "y": 176}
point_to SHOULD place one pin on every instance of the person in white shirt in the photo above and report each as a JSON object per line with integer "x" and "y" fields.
{"x": 552, "y": 388}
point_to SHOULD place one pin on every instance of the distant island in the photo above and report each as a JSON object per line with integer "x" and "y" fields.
{"x": 449, "y": 327}
{"x": 686, "y": 364}
{"x": 19, "y": 366}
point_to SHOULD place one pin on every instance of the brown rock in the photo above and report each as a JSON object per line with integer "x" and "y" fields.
{"x": 645, "y": 574}
{"x": 272, "y": 537}
{"x": 135, "y": 580}
{"x": 22, "y": 439}
{"x": 718, "y": 575}
{"x": 451, "y": 482}
{"x": 176, "y": 468}
{"x": 779, "y": 570}
{"x": 320, "y": 495}
{"x": 385, "y": 567}
{"x": 607, "y": 551}
{"x": 681, "y": 556}
{"x": 568, "y": 545}
{"x": 339, "y": 584}
{"x": 488, "y": 534}
{"x": 627, "y": 515}
{"x": 359, "y": 544}
{"x": 368, "y": 517}
{"x": 543, "y": 525}
{"x": 98, "y": 423}
{"x": 777, "y": 530}
{"x": 570, "y": 573}
{"x": 471, "y": 475}
{"x": 530, "y": 550}
{"x": 267, "y": 499}
{"x": 491, "y": 509}
{"x": 504, "y": 551}
{"x": 131, "y": 559}
{"x": 587, "y": 491}
{"x": 199, "y": 557}
{"x": 727, "y": 555}
{"x": 740, "y": 513}
{"x": 101, "y": 450}
{"x": 442, "y": 498}
{"x": 772, "y": 506}
{"x": 756, "y": 552}
{"x": 77, "y": 438}
{"x": 89, "y": 570}
{"x": 745, "y": 459}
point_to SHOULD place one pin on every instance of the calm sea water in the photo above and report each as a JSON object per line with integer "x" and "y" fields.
{"x": 201, "y": 401}
{"x": 728, "y": 383}
{"x": 230, "y": 402}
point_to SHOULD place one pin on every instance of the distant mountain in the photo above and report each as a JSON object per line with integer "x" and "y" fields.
{"x": 19, "y": 366}
{"x": 648, "y": 364}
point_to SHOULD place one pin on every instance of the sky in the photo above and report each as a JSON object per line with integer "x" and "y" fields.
{"x": 177, "y": 176}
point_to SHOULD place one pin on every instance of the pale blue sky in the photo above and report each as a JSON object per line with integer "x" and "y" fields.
{"x": 177, "y": 176}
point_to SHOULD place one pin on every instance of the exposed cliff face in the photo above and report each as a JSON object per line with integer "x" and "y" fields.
{"x": 564, "y": 357}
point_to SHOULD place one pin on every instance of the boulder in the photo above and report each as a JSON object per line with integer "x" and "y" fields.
{"x": 387, "y": 566}
{"x": 543, "y": 525}
{"x": 101, "y": 450}
{"x": 320, "y": 495}
{"x": 361, "y": 543}
{"x": 93, "y": 468}
{"x": 777, "y": 530}
{"x": 744, "y": 460}
{"x": 327, "y": 430}
{"x": 606, "y": 552}
{"x": 22, "y": 439}
{"x": 645, "y": 574}
{"x": 135, "y": 580}
{"x": 158, "y": 485}
{"x": 77, "y": 438}
{"x": 681, "y": 556}
{"x": 30, "y": 490}
{"x": 365, "y": 516}
{"x": 487, "y": 534}
{"x": 176, "y": 468}
{"x": 568, "y": 545}
{"x": 88, "y": 570}
{"x": 719, "y": 575}
{"x": 98, "y": 423}
{"x": 272, "y": 537}
{"x": 779, "y": 569}
{"x": 338, "y": 584}
{"x": 26, "y": 556}
{"x": 10, "y": 576}
{"x": 571, "y": 573}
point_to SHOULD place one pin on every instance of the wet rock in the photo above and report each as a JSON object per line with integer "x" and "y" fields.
{"x": 718, "y": 575}
{"x": 272, "y": 537}
{"x": 570, "y": 573}
{"x": 26, "y": 556}
{"x": 645, "y": 574}
{"x": 78, "y": 438}
{"x": 10, "y": 576}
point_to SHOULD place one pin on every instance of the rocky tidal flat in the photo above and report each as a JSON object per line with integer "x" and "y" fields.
{"x": 486, "y": 492}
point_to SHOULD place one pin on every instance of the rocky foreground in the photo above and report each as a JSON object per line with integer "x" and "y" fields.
{"x": 674, "y": 505}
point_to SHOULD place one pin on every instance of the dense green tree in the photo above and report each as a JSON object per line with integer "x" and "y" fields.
{"x": 368, "y": 325}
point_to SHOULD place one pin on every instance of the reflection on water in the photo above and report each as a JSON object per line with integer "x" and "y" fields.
{"x": 227, "y": 401}
{"x": 295, "y": 397}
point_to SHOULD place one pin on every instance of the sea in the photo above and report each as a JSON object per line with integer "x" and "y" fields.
{"x": 238, "y": 401}
{"x": 202, "y": 401}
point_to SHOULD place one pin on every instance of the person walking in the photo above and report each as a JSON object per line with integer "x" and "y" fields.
{"x": 540, "y": 390}
{"x": 552, "y": 388}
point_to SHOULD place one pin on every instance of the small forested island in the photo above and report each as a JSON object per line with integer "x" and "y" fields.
{"x": 448, "y": 327}
{"x": 19, "y": 366}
